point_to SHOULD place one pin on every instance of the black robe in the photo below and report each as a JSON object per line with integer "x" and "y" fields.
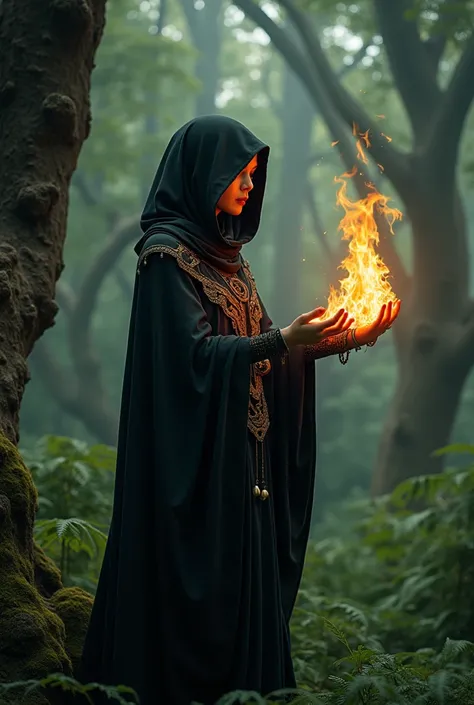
{"x": 200, "y": 577}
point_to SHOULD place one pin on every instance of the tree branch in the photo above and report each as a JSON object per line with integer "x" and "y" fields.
{"x": 348, "y": 108}
{"x": 333, "y": 121}
{"x": 80, "y": 322}
{"x": 84, "y": 398}
{"x": 81, "y": 185}
{"x": 412, "y": 69}
{"x": 54, "y": 377}
{"x": 275, "y": 105}
{"x": 162, "y": 16}
{"x": 189, "y": 13}
{"x": 302, "y": 68}
{"x": 126, "y": 287}
{"x": 65, "y": 297}
{"x": 401, "y": 280}
{"x": 442, "y": 146}
{"x": 79, "y": 398}
{"x": 319, "y": 228}
{"x": 122, "y": 234}
{"x": 357, "y": 58}
{"x": 436, "y": 44}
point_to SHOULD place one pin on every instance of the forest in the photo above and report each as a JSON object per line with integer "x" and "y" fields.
{"x": 90, "y": 94}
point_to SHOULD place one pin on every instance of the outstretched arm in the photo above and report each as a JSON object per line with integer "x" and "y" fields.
{"x": 354, "y": 338}
{"x": 340, "y": 344}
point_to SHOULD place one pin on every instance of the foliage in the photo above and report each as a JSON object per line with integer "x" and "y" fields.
{"x": 408, "y": 557}
{"x": 58, "y": 681}
{"x": 75, "y": 485}
{"x": 384, "y": 614}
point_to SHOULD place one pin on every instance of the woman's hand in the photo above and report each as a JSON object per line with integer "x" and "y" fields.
{"x": 365, "y": 335}
{"x": 303, "y": 331}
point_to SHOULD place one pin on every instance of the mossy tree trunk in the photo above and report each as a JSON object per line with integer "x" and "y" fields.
{"x": 48, "y": 49}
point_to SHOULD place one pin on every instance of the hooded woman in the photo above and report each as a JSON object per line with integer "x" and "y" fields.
{"x": 216, "y": 452}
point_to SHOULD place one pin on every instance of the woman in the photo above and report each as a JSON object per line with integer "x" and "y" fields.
{"x": 216, "y": 453}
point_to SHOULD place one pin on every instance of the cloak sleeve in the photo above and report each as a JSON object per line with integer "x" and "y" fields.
{"x": 292, "y": 390}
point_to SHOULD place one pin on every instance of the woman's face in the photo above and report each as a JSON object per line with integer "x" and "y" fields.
{"x": 235, "y": 196}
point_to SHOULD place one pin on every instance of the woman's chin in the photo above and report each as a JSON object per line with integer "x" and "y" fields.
{"x": 235, "y": 209}
{"x": 231, "y": 209}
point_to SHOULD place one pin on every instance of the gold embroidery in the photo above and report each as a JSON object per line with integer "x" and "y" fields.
{"x": 232, "y": 299}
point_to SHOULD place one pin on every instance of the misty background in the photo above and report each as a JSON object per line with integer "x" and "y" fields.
{"x": 162, "y": 63}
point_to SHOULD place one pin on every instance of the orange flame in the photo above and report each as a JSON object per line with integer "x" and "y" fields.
{"x": 366, "y": 287}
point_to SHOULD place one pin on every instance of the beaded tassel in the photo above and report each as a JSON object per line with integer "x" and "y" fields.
{"x": 260, "y": 489}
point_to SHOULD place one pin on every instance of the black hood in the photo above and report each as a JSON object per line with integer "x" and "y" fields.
{"x": 201, "y": 160}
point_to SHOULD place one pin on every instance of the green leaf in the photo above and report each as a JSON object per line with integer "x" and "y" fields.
{"x": 455, "y": 448}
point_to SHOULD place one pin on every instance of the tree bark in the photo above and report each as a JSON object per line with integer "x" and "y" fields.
{"x": 435, "y": 297}
{"x": 433, "y": 349}
{"x": 205, "y": 28}
{"x": 422, "y": 413}
{"x": 48, "y": 50}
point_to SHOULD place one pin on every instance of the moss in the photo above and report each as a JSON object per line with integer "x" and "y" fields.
{"x": 47, "y": 574}
{"x": 74, "y": 606}
{"x": 32, "y": 636}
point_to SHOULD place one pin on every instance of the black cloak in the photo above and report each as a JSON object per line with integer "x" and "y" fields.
{"x": 200, "y": 576}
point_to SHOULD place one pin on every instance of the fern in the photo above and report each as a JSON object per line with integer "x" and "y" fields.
{"x": 70, "y": 685}
{"x": 452, "y": 650}
{"x": 78, "y": 534}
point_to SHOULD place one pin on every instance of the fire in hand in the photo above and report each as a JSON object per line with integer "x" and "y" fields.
{"x": 366, "y": 287}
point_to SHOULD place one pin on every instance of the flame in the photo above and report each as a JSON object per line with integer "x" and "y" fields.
{"x": 361, "y": 153}
{"x": 366, "y": 287}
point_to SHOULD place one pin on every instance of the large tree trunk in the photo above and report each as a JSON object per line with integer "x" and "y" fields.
{"x": 48, "y": 51}
{"x": 421, "y": 414}
{"x": 433, "y": 351}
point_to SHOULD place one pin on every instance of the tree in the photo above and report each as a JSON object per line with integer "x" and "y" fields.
{"x": 47, "y": 58}
{"x": 206, "y": 31}
{"x": 435, "y": 336}
{"x": 80, "y": 391}
{"x": 297, "y": 113}
{"x": 297, "y": 116}
{"x": 141, "y": 76}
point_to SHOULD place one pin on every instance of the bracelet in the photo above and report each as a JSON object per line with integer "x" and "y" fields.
{"x": 344, "y": 354}
{"x": 357, "y": 347}
{"x": 268, "y": 345}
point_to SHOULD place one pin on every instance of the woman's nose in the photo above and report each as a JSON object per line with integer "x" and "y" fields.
{"x": 247, "y": 184}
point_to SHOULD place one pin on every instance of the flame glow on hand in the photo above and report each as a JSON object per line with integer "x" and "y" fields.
{"x": 366, "y": 287}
